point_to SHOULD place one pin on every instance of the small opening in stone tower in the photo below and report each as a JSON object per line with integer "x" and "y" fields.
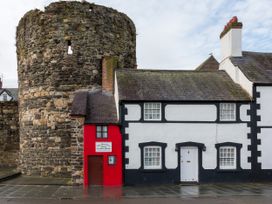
{"x": 70, "y": 51}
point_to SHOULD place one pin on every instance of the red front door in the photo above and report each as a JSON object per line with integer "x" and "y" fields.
{"x": 95, "y": 170}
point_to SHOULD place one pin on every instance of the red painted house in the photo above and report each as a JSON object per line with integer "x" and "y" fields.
{"x": 102, "y": 136}
{"x": 102, "y": 155}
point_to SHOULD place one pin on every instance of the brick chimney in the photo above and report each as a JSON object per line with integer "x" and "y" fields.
{"x": 231, "y": 39}
{"x": 109, "y": 64}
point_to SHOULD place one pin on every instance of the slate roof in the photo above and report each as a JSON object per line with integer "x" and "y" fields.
{"x": 13, "y": 92}
{"x": 162, "y": 85}
{"x": 256, "y": 66}
{"x": 96, "y": 106}
{"x": 209, "y": 64}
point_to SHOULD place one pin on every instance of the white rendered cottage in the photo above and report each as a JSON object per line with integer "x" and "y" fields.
{"x": 213, "y": 124}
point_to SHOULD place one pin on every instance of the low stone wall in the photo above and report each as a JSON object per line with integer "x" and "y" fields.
{"x": 9, "y": 134}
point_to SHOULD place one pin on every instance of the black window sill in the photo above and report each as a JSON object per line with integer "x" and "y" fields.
{"x": 153, "y": 170}
{"x": 228, "y": 170}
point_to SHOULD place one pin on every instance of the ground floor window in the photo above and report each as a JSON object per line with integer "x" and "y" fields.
{"x": 227, "y": 158}
{"x": 228, "y": 155}
{"x": 152, "y": 157}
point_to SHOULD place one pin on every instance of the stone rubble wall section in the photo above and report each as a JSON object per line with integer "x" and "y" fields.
{"x": 9, "y": 134}
{"x": 49, "y": 76}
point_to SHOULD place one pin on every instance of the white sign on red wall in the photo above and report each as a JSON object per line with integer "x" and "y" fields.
{"x": 103, "y": 147}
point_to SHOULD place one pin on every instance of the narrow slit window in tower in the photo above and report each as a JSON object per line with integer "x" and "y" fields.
{"x": 70, "y": 51}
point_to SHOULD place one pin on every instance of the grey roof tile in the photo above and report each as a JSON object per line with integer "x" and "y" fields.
{"x": 256, "y": 66}
{"x": 164, "y": 85}
{"x": 96, "y": 106}
{"x": 209, "y": 64}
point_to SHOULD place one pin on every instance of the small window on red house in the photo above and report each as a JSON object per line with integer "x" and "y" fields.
{"x": 101, "y": 131}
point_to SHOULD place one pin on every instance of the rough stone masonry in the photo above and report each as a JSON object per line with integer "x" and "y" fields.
{"x": 49, "y": 75}
{"x": 9, "y": 134}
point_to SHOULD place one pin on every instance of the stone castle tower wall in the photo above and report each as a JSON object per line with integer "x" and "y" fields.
{"x": 49, "y": 76}
{"x": 9, "y": 134}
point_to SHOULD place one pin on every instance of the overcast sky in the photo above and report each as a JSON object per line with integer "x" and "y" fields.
{"x": 171, "y": 34}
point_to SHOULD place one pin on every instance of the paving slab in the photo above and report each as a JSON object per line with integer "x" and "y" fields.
{"x": 36, "y": 180}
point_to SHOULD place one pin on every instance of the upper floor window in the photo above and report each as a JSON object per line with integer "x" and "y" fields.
{"x": 227, "y": 157}
{"x": 152, "y": 111}
{"x": 5, "y": 97}
{"x": 152, "y": 157}
{"x": 101, "y": 131}
{"x": 227, "y": 111}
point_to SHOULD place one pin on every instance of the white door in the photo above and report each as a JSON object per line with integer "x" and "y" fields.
{"x": 189, "y": 164}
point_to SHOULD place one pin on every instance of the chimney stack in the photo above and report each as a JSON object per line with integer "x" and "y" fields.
{"x": 231, "y": 39}
{"x": 109, "y": 64}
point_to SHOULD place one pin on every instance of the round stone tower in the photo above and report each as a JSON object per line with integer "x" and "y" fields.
{"x": 59, "y": 51}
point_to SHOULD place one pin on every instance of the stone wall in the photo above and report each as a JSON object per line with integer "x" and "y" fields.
{"x": 49, "y": 76}
{"x": 77, "y": 150}
{"x": 9, "y": 134}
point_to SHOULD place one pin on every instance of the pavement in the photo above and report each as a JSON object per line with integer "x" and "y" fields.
{"x": 56, "y": 192}
{"x": 201, "y": 200}
{"x": 38, "y": 190}
{"x": 32, "y": 190}
{"x": 36, "y": 180}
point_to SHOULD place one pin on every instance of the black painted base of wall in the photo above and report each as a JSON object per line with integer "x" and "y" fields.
{"x": 172, "y": 176}
{"x": 136, "y": 176}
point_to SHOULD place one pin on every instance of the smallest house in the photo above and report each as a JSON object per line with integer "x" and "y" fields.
{"x": 102, "y": 136}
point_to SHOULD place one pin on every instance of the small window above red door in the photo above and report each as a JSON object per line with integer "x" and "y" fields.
{"x": 101, "y": 131}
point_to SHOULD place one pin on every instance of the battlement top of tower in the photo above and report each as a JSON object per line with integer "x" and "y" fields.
{"x": 72, "y": 7}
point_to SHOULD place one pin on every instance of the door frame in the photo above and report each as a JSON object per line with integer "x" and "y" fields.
{"x": 201, "y": 147}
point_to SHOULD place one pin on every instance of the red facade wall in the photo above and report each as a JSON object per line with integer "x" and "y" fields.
{"x": 112, "y": 174}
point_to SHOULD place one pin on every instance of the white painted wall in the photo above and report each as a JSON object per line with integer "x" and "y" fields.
{"x": 2, "y": 96}
{"x": 133, "y": 112}
{"x": 243, "y": 113}
{"x": 231, "y": 43}
{"x": 190, "y": 112}
{"x": 237, "y": 75}
{"x": 266, "y": 151}
{"x": 265, "y": 102}
{"x": 172, "y": 133}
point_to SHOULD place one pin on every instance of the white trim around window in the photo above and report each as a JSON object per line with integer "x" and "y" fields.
{"x": 152, "y": 157}
{"x": 227, "y": 111}
{"x": 152, "y": 111}
{"x": 227, "y": 157}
